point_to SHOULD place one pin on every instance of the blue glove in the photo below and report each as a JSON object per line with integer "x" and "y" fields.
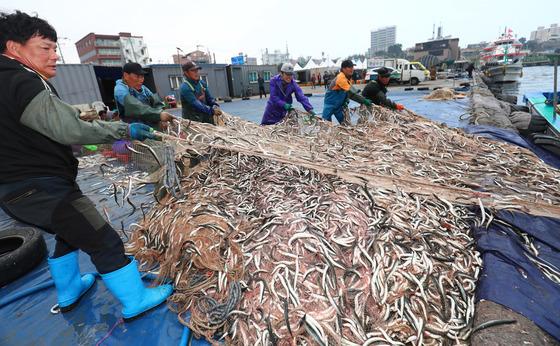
{"x": 140, "y": 131}
{"x": 312, "y": 112}
{"x": 288, "y": 106}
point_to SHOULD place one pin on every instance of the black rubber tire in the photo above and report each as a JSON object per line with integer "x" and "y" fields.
{"x": 21, "y": 249}
{"x": 520, "y": 108}
{"x": 537, "y": 124}
{"x": 414, "y": 81}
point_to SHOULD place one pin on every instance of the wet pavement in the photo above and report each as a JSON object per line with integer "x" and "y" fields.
{"x": 441, "y": 111}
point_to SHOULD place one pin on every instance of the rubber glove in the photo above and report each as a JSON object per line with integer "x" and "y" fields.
{"x": 164, "y": 116}
{"x": 312, "y": 112}
{"x": 367, "y": 103}
{"x": 400, "y": 107}
{"x": 216, "y": 110}
{"x": 140, "y": 131}
{"x": 288, "y": 106}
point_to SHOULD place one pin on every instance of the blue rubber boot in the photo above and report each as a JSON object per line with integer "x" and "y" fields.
{"x": 127, "y": 286}
{"x": 70, "y": 285}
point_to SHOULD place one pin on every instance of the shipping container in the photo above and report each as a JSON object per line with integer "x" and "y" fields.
{"x": 169, "y": 77}
{"x": 242, "y": 79}
{"x": 76, "y": 83}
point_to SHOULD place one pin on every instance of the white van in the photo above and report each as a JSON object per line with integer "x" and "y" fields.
{"x": 409, "y": 72}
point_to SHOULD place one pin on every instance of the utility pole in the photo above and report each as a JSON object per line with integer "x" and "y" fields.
{"x": 180, "y": 68}
{"x": 556, "y": 57}
{"x": 60, "y": 51}
{"x": 60, "y": 48}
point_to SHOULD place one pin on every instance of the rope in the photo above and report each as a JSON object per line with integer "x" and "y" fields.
{"x": 119, "y": 321}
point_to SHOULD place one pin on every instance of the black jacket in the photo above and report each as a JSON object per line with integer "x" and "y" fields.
{"x": 24, "y": 152}
{"x": 377, "y": 93}
{"x": 37, "y": 127}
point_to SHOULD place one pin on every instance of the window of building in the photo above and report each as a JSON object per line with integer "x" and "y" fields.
{"x": 266, "y": 76}
{"x": 175, "y": 82}
{"x": 109, "y": 51}
{"x": 253, "y": 76}
{"x": 108, "y": 62}
{"x": 106, "y": 43}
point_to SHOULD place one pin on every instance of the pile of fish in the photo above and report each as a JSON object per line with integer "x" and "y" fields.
{"x": 262, "y": 252}
{"x": 444, "y": 94}
{"x": 391, "y": 149}
{"x": 306, "y": 233}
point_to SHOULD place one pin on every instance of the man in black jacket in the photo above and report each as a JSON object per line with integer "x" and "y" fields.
{"x": 38, "y": 171}
{"x": 376, "y": 91}
{"x": 262, "y": 90}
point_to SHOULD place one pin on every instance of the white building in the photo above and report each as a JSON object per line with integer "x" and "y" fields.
{"x": 275, "y": 58}
{"x": 543, "y": 34}
{"x": 134, "y": 49}
{"x": 383, "y": 38}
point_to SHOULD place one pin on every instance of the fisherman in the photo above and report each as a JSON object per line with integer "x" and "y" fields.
{"x": 38, "y": 172}
{"x": 470, "y": 69}
{"x": 376, "y": 90}
{"x": 197, "y": 101}
{"x": 340, "y": 91}
{"x": 326, "y": 79}
{"x": 262, "y": 90}
{"x": 135, "y": 101}
{"x": 282, "y": 86}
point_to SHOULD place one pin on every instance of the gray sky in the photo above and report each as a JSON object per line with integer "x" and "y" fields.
{"x": 338, "y": 28}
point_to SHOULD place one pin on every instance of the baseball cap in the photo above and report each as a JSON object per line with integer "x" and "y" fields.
{"x": 384, "y": 72}
{"x": 287, "y": 68}
{"x": 134, "y": 67}
{"x": 347, "y": 63}
{"x": 190, "y": 65}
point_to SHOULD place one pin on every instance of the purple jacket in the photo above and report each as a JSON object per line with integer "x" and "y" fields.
{"x": 280, "y": 95}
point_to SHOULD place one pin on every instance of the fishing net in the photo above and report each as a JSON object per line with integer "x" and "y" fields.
{"x": 308, "y": 233}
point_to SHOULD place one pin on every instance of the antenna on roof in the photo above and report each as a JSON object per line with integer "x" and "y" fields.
{"x": 434, "y": 31}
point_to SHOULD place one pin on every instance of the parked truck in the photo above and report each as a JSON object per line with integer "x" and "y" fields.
{"x": 409, "y": 72}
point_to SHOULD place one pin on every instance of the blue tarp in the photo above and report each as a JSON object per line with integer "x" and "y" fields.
{"x": 509, "y": 278}
{"x": 28, "y": 321}
{"x": 512, "y": 137}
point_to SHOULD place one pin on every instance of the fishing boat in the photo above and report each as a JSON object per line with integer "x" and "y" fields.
{"x": 545, "y": 122}
{"x": 544, "y": 127}
{"x": 502, "y": 59}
